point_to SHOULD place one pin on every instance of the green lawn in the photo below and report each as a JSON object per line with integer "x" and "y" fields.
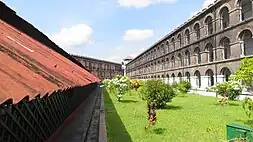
{"x": 187, "y": 119}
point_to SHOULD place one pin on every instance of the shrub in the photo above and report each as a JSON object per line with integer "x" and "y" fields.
{"x": 230, "y": 89}
{"x": 119, "y": 85}
{"x": 182, "y": 86}
{"x": 135, "y": 84}
{"x": 248, "y": 106}
{"x": 158, "y": 92}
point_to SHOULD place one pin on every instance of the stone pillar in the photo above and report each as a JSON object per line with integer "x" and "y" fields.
{"x": 204, "y": 82}
{"x": 220, "y": 79}
{"x": 220, "y": 53}
{"x": 193, "y": 82}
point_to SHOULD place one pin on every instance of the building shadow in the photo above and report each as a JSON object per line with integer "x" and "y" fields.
{"x": 116, "y": 130}
{"x": 246, "y": 122}
{"x": 159, "y": 131}
{"x": 128, "y": 101}
{"x": 172, "y": 107}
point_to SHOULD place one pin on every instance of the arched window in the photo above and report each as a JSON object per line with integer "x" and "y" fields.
{"x": 180, "y": 60}
{"x": 173, "y": 77}
{"x": 167, "y": 46}
{"x": 187, "y": 36}
{"x": 226, "y": 73}
{"x": 173, "y": 43}
{"x": 210, "y": 75}
{"x": 198, "y": 55}
{"x": 247, "y": 46}
{"x": 179, "y": 76}
{"x": 246, "y": 9}
{"x": 198, "y": 78}
{"x": 224, "y": 15}
{"x": 209, "y": 49}
{"x": 197, "y": 30}
{"x": 225, "y": 43}
{"x": 188, "y": 76}
{"x": 179, "y": 39}
{"x": 209, "y": 24}
{"x": 172, "y": 62}
{"x": 187, "y": 58}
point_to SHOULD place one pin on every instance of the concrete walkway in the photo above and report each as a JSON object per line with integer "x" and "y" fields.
{"x": 84, "y": 127}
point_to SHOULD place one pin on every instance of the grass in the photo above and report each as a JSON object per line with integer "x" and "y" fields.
{"x": 188, "y": 118}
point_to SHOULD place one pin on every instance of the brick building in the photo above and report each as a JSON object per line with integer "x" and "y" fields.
{"x": 101, "y": 68}
{"x": 204, "y": 50}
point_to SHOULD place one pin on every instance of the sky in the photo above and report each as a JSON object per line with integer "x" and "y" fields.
{"x": 106, "y": 29}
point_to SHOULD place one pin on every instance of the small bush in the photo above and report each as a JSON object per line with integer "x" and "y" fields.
{"x": 158, "y": 92}
{"x": 248, "y": 106}
{"x": 230, "y": 89}
{"x": 182, "y": 86}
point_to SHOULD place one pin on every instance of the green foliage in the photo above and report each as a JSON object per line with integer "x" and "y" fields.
{"x": 248, "y": 106}
{"x": 245, "y": 73}
{"x": 230, "y": 89}
{"x": 119, "y": 85}
{"x": 182, "y": 86}
{"x": 158, "y": 92}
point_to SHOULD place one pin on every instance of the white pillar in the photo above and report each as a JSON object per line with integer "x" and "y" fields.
{"x": 220, "y": 78}
{"x": 193, "y": 82}
{"x": 204, "y": 82}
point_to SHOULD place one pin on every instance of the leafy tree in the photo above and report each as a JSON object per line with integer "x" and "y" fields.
{"x": 157, "y": 92}
{"x": 245, "y": 73}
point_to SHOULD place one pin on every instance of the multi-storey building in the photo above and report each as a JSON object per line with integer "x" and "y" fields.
{"x": 101, "y": 68}
{"x": 204, "y": 50}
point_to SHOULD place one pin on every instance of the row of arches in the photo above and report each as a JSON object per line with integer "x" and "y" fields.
{"x": 245, "y": 37}
{"x": 225, "y": 72}
{"x": 245, "y": 12}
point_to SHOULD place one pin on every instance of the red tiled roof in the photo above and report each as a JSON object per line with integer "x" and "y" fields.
{"x": 28, "y": 67}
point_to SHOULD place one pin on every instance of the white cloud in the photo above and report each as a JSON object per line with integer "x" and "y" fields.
{"x": 74, "y": 36}
{"x": 204, "y": 5}
{"x": 143, "y": 3}
{"x": 134, "y": 34}
{"x": 207, "y": 3}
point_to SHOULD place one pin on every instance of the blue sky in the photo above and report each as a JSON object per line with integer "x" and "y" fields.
{"x": 106, "y": 29}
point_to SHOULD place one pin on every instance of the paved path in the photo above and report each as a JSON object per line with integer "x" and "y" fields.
{"x": 85, "y": 124}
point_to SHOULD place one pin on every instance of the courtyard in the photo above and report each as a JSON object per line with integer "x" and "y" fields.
{"x": 188, "y": 118}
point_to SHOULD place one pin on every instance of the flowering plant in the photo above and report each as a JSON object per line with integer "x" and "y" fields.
{"x": 119, "y": 85}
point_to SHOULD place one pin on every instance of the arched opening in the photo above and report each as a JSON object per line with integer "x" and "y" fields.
{"x": 210, "y": 75}
{"x": 246, "y": 9}
{"x": 179, "y": 39}
{"x": 197, "y": 30}
{"x": 247, "y": 46}
{"x": 225, "y": 43}
{"x": 173, "y": 43}
{"x": 180, "y": 60}
{"x": 187, "y": 36}
{"x": 167, "y": 46}
{"x": 188, "y": 76}
{"x": 198, "y": 55}
{"x": 179, "y": 76}
{"x": 224, "y": 15}
{"x": 209, "y": 25}
{"x": 173, "y": 77}
{"x": 172, "y": 62}
{"x": 209, "y": 49}
{"x": 226, "y": 73}
{"x": 198, "y": 78}
{"x": 187, "y": 58}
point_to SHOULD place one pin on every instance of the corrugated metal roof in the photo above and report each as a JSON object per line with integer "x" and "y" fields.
{"x": 28, "y": 67}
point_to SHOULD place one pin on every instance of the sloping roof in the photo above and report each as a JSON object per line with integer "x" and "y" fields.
{"x": 28, "y": 67}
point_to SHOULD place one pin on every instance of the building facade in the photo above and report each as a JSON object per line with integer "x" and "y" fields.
{"x": 100, "y": 68}
{"x": 204, "y": 50}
